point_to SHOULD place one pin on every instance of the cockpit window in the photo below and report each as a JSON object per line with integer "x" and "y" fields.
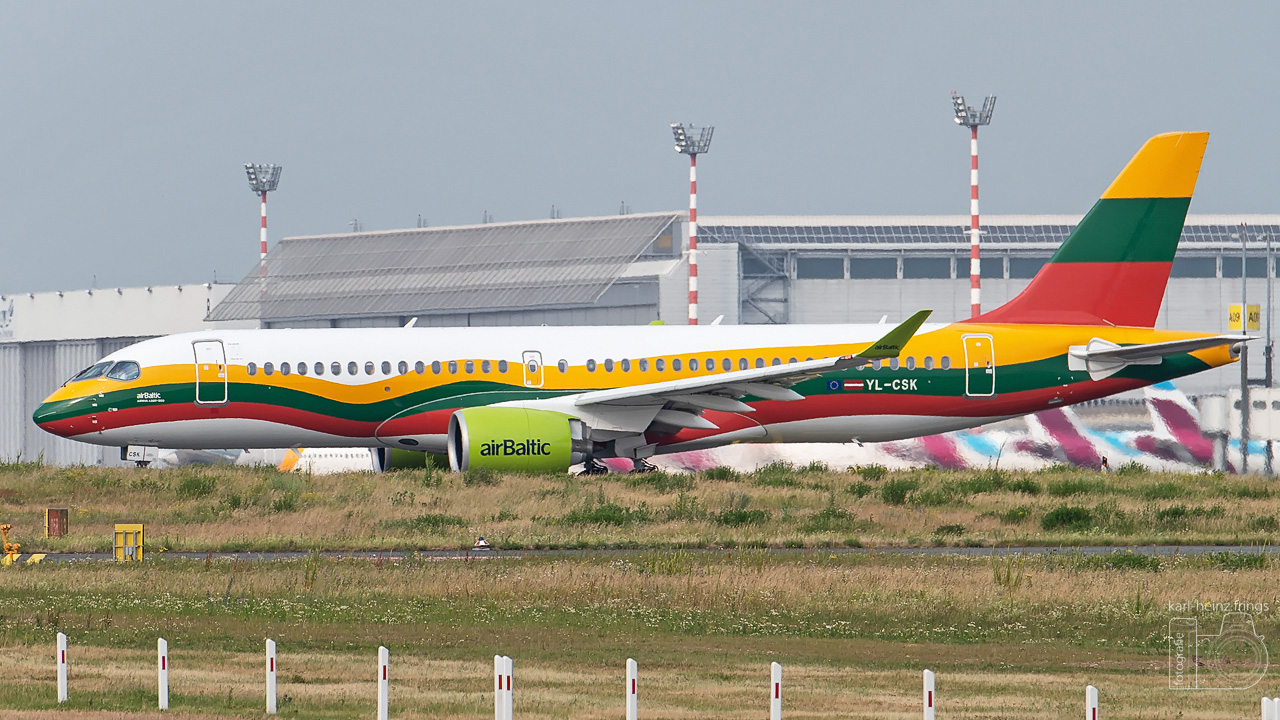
{"x": 125, "y": 370}
{"x": 94, "y": 371}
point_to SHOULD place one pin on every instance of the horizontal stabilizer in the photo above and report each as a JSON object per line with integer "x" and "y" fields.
{"x": 1103, "y": 358}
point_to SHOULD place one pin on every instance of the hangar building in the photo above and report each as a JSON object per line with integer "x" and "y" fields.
{"x": 617, "y": 270}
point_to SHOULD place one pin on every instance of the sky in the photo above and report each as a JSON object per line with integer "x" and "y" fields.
{"x": 127, "y": 125}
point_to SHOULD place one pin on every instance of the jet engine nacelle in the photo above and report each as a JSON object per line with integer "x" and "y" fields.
{"x": 519, "y": 439}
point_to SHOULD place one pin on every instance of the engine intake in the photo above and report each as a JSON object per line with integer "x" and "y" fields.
{"x": 510, "y": 438}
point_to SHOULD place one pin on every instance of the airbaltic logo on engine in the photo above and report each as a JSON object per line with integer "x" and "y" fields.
{"x": 509, "y": 448}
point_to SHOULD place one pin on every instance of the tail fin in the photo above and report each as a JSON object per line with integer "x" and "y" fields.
{"x": 1113, "y": 268}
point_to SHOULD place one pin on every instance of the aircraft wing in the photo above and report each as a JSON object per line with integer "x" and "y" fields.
{"x": 1103, "y": 358}
{"x": 676, "y": 404}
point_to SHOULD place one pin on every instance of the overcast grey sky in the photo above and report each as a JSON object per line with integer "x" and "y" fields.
{"x": 126, "y": 124}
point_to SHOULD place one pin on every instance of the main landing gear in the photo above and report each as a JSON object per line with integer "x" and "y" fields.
{"x": 592, "y": 467}
{"x": 640, "y": 465}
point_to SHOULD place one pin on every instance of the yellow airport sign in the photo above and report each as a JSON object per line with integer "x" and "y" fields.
{"x": 1233, "y": 317}
{"x": 128, "y": 542}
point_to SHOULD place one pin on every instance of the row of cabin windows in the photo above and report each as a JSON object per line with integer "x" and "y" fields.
{"x": 608, "y": 365}
{"x": 369, "y": 368}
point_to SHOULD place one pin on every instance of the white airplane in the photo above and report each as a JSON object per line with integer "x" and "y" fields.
{"x": 547, "y": 398}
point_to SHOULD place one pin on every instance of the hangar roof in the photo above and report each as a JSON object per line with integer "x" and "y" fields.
{"x": 473, "y": 267}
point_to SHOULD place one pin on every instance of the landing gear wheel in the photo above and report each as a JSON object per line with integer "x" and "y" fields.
{"x": 643, "y": 466}
{"x": 591, "y": 467}
{"x": 142, "y": 463}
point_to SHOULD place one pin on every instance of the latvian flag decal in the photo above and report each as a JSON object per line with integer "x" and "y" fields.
{"x": 852, "y": 384}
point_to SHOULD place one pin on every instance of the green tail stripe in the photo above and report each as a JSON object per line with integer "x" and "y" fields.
{"x": 1127, "y": 230}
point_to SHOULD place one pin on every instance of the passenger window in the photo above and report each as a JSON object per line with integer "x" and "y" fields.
{"x": 335, "y": 369}
{"x": 284, "y": 368}
{"x": 252, "y": 369}
{"x": 875, "y": 364}
{"x": 726, "y": 364}
{"x": 591, "y": 365}
{"x": 626, "y": 364}
{"x": 302, "y": 368}
{"x": 353, "y": 369}
{"x": 675, "y": 364}
{"x": 502, "y": 366}
{"x": 660, "y": 365}
{"x": 435, "y": 367}
{"x": 453, "y": 367}
{"x": 608, "y": 365}
{"x": 946, "y": 362}
{"x": 563, "y": 366}
{"x": 693, "y": 363}
{"x": 711, "y": 365}
{"x": 911, "y": 363}
{"x": 319, "y": 368}
{"x": 792, "y": 361}
{"x": 368, "y": 367}
{"x": 269, "y": 369}
{"x": 743, "y": 364}
{"x": 403, "y": 367}
{"x": 124, "y": 371}
{"x": 777, "y": 361}
{"x": 386, "y": 368}
{"x": 644, "y": 365}
{"x": 486, "y": 367}
{"x": 419, "y": 367}
{"x": 893, "y": 363}
{"x": 928, "y": 362}
{"x": 759, "y": 362}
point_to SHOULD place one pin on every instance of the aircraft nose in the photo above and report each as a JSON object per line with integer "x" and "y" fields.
{"x": 49, "y": 414}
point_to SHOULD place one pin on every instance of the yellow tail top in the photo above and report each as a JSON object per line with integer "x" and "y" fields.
{"x": 1166, "y": 167}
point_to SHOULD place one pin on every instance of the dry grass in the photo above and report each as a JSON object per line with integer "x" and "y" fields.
{"x": 1008, "y": 637}
{"x": 247, "y": 508}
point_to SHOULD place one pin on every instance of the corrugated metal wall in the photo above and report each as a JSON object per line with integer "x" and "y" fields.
{"x": 39, "y": 377}
{"x": 12, "y": 407}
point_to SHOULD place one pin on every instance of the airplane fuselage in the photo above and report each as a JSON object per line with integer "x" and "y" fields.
{"x": 397, "y": 387}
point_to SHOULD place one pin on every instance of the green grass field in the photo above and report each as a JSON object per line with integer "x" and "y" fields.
{"x": 1009, "y": 636}
{"x": 199, "y": 509}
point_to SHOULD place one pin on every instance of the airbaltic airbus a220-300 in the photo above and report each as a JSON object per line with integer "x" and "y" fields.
{"x": 549, "y": 398}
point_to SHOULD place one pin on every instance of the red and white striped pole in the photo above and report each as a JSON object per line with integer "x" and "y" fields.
{"x": 262, "y": 238}
{"x": 693, "y": 238}
{"x": 975, "y": 264}
{"x": 1090, "y": 703}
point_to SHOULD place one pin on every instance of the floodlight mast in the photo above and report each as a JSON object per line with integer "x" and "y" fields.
{"x": 966, "y": 116}
{"x": 691, "y": 142}
{"x": 262, "y": 180}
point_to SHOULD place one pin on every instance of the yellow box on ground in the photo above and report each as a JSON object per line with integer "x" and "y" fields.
{"x": 1233, "y": 317}
{"x": 128, "y": 542}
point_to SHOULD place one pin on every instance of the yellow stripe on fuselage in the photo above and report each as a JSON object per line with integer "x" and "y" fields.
{"x": 1166, "y": 167}
{"x": 1013, "y": 344}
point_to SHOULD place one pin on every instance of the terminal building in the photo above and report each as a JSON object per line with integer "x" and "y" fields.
{"x": 617, "y": 270}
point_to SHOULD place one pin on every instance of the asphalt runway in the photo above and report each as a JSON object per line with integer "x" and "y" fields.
{"x": 398, "y": 556}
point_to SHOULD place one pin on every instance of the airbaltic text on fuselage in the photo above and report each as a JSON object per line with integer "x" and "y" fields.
{"x": 508, "y": 448}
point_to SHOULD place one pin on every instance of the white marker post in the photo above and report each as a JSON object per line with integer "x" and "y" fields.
{"x": 499, "y": 673}
{"x": 62, "y": 668}
{"x": 1269, "y": 708}
{"x": 271, "y": 676}
{"x": 1090, "y": 703}
{"x": 384, "y": 687}
{"x": 508, "y": 695}
{"x": 633, "y": 705}
{"x": 775, "y": 692}
{"x": 162, "y": 660}
{"x": 929, "y": 695}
